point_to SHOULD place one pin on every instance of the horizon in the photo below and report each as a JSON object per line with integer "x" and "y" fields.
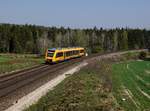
{"x": 77, "y": 14}
{"x": 77, "y": 28}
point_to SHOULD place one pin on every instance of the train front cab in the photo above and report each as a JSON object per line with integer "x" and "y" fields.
{"x": 54, "y": 56}
{"x": 49, "y": 56}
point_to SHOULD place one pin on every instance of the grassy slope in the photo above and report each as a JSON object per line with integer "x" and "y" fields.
{"x": 11, "y": 62}
{"x": 87, "y": 90}
{"x": 132, "y": 76}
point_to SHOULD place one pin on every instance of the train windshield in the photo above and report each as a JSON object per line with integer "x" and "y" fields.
{"x": 50, "y": 53}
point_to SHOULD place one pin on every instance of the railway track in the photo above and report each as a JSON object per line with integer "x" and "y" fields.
{"x": 12, "y": 82}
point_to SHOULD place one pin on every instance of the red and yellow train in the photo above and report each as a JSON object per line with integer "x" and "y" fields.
{"x": 55, "y": 55}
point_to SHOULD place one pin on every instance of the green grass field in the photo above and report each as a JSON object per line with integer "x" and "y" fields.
{"x": 131, "y": 85}
{"x": 12, "y": 62}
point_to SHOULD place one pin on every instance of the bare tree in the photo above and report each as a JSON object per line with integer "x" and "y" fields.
{"x": 43, "y": 43}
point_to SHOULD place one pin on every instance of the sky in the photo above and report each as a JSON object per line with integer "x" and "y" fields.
{"x": 77, "y": 13}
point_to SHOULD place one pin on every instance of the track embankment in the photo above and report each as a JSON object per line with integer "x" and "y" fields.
{"x": 15, "y": 86}
{"x": 34, "y": 96}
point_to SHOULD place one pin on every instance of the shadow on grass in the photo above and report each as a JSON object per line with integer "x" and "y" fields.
{"x": 146, "y": 59}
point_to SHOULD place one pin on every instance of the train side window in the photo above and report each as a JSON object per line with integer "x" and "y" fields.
{"x": 72, "y": 53}
{"x": 67, "y": 53}
{"x": 60, "y": 54}
{"x": 81, "y": 51}
{"x": 76, "y": 52}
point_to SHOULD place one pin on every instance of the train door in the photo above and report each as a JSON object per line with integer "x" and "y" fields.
{"x": 59, "y": 56}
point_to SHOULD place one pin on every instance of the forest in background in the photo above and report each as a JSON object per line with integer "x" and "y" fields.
{"x": 36, "y": 39}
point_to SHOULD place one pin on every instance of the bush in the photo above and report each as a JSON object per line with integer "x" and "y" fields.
{"x": 148, "y": 49}
{"x": 96, "y": 49}
{"x": 142, "y": 55}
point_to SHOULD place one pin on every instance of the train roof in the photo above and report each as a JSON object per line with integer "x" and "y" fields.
{"x": 69, "y": 48}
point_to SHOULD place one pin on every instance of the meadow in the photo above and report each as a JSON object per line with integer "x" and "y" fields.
{"x": 14, "y": 62}
{"x": 131, "y": 85}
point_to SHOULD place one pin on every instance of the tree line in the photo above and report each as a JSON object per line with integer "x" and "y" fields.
{"x": 36, "y": 39}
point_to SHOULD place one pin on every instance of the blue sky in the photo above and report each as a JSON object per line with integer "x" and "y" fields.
{"x": 77, "y": 13}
